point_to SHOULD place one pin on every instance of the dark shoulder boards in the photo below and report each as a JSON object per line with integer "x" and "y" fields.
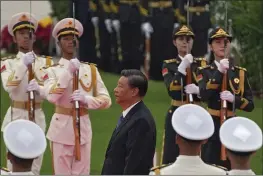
{"x": 240, "y": 68}
{"x": 8, "y": 57}
{"x": 220, "y": 167}
{"x": 169, "y": 61}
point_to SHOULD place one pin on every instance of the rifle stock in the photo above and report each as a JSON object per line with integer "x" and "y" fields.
{"x": 223, "y": 114}
{"x": 147, "y": 56}
{"x": 76, "y": 119}
{"x": 76, "y": 109}
{"x": 189, "y": 98}
{"x": 31, "y": 97}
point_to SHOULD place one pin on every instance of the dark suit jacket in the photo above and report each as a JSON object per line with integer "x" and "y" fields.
{"x": 132, "y": 145}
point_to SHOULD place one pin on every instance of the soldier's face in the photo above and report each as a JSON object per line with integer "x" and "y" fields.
{"x": 123, "y": 92}
{"x": 66, "y": 44}
{"x": 182, "y": 43}
{"x": 22, "y": 39}
{"x": 218, "y": 47}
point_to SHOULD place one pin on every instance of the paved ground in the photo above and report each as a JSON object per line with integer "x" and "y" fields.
{"x": 40, "y": 9}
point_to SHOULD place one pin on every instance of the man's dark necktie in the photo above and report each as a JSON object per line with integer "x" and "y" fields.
{"x": 120, "y": 121}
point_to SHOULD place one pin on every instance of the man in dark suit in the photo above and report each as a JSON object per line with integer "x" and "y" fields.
{"x": 132, "y": 145}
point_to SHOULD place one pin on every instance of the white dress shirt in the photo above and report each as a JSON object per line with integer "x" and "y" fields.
{"x": 126, "y": 111}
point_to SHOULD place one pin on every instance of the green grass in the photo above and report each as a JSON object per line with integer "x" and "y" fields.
{"x": 104, "y": 121}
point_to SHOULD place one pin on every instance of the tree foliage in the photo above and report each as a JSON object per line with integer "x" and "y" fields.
{"x": 60, "y": 8}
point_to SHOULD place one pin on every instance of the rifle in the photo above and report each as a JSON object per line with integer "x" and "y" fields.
{"x": 147, "y": 58}
{"x": 223, "y": 111}
{"x": 76, "y": 110}
{"x": 189, "y": 98}
{"x": 31, "y": 95}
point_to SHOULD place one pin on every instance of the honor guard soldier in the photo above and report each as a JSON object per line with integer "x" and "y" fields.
{"x": 163, "y": 19}
{"x": 87, "y": 42}
{"x": 25, "y": 141}
{"x": 176, "y": 79}
{"x": 91, "y": 94}
{"x": 242, "y": 137}
{"x": 101, "y": 19}
{"x": 224, "y": 87}
{"x": 199, "y": 20}
{"x": 131, "y": 16}
{"x": 193, "y": 126}
{"x": 14, "y": 74}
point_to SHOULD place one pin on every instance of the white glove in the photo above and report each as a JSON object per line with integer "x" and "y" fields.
{"x": 33, "y": 86}
{"x": 189, "y": 57}
{"x": 95, "y": 21}
{"x": 224, "y": 65}
{"x": 228, "y": 96}
{"x": 176, "y": 25}
{"x": 147, "y": 28}
{"x": 28, "y": 58}
{"x": 73, "y": 65}
{"x": 186, "y": 62}
{"x": 191, "y": 89}
{"x": 77, "y": 95}
{"x": 116, "y": 25}
{"x": 108, "y": 25}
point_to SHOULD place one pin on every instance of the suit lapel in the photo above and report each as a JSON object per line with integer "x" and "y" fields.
{"x": 126, "y": 119}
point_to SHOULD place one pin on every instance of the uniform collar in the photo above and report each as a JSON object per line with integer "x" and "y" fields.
{"x": 63, "y": 62}
{"x": 217, "y": 63}
{"x": 189, "y": 160}
{"x": 180, "y": 57}
{"x": 241, "y": 172}
{"x": 20, "y": 55}
{"x": 21, "y": 173}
